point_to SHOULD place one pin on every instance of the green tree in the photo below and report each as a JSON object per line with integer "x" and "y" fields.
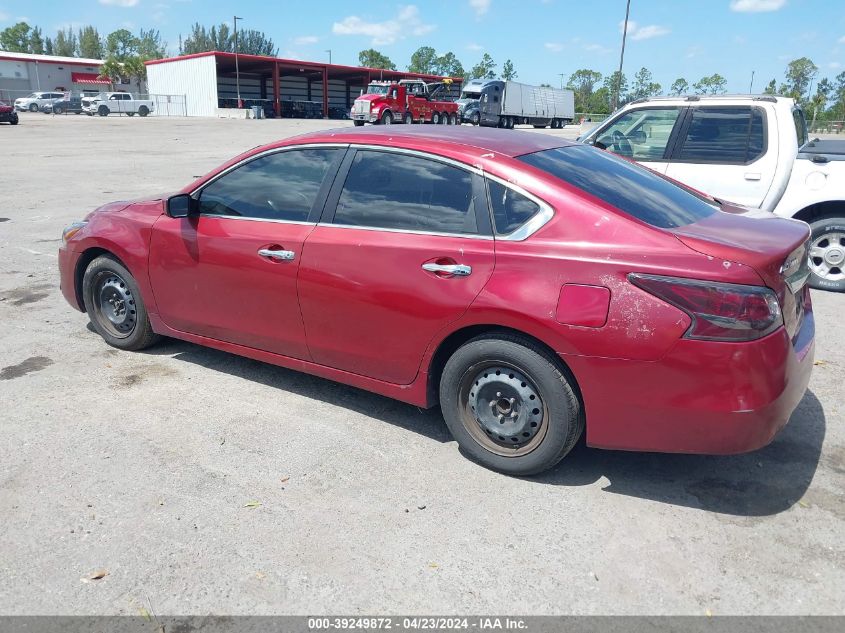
{"x": 198, "y": 41}
{"x": 545, "y": 85}
{"x": 65, "y": 44}
{"x": 599, "y": 102}
{"x": 15, "y": 39}
{"x": 679, "y": 87}
{"x": 424, "y": 60}
{"x": 150, "y": 45}
{"x": 617, "y": 85}
{"x": 90, "y": 43}
{"x": 252, "y": 42}
{"x": 712, "y": 85}
{"x": 121, "y": 45}
{"x": 485, "y": 69}
{"x": 799, "y": 75}
{"x": 448, "y": 65}
{"x": 583, "y": 82}
{"x": 644, "y": 86}
{"x": 134, "y": 68}
{"x": 371, "y": 58}
{"x": 48, "y": 46}
{"x": 508, "y": 71}
{"x": 771, "y": 88}
{"x": 36, "y": 42}
{"x": 113, "y": 70}
{"x": 839, "y": 95}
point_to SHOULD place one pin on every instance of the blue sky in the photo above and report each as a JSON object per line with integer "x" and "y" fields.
{"x": 543, "y": 38}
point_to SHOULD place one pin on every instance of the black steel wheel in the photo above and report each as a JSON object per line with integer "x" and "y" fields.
{"x": 510, "y": 405}
{"x": 115, "y": 306}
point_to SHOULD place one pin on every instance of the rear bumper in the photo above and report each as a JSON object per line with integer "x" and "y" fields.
{"x": 67, "y": 278}
{"x": 702, "y": 397}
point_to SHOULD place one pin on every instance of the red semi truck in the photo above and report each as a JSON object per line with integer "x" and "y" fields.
{"x": 406, "y": 101}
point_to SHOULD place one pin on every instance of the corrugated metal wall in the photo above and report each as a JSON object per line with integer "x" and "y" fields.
{"x": 196, "y": 78}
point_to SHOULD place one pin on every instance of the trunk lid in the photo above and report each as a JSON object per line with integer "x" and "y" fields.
{"x": 776, "y": 248}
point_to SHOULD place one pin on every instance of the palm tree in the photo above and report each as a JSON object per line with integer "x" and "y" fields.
{"x": 134, "y": 67}
{"x": 111, "y": 70}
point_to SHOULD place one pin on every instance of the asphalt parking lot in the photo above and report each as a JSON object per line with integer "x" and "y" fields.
{"x": 206, "y": 483}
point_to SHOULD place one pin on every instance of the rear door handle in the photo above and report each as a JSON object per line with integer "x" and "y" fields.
{"x": 458, "y": 270}
{"x": 276, "y": 255}
{"x": 750, "y": 175}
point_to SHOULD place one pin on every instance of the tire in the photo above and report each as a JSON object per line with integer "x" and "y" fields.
{"x": 103, "y": 111}
{"x": 476, "y": 118}
{"x": 33, "y": 107}
{"x": 539, "y": 127}
{"x": 408, "y": 119}
{"x": 106, "y": 281}
{"x": 143, "y": 111}
{"x": 454, "y": 119}
{"x": 57, "y": 110}
{"x": 542, "y": 409}
{"x": 130, "y": 114}
{"x": 386, "y": 119}
{"x": 358, "y": 123}
{"x": 14, "y": 118}
{"x": 827, "y": 254}
{"x": 435, "y": 118}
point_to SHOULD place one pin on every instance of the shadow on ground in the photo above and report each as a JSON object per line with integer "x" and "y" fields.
{"x": 761, "y": 483}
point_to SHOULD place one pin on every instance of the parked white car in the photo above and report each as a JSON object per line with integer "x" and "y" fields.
{"x": 753, "y": 150}
{"x": 37, "y": 99}
{"x": 116, "y": 102}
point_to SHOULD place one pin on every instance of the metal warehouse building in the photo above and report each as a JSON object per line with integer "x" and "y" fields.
{"x": 24, "y": 73}
{"x": 285, "y": 87}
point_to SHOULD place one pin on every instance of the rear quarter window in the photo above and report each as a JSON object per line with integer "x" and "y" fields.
{"x": 728, "y": 135}
{"x": 627, "y": 186}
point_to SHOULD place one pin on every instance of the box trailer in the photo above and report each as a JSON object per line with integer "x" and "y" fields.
{"x": 509, "y": 103}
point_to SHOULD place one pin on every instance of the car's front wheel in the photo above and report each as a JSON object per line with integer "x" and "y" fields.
{"x": 510, "y": 405}
{"x": 33, "y": 107}
{"x": 57, "y": 110}
{"x": 114, "y": 305}
{"x": 827, "y": 254}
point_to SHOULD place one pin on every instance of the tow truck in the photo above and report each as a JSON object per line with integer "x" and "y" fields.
{"x": 406, "y": 101}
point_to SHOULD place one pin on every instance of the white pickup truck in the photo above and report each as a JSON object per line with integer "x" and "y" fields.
{"x": 116, "y": 102}
{"x": 753, "y": 150}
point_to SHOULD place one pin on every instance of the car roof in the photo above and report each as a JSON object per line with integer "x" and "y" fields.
{"x": 505, "y": 142}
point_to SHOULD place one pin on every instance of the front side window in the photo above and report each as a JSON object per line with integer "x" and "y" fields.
{"x": 800, "y": 126}
{"x": 396, "y": 191}
{"x": 724, "y": 135}
{"x": 629, "y": 187}
{"x": 510, "y": 208}
{"x": 640, "y": 134}
{"x": 281, "y": 186}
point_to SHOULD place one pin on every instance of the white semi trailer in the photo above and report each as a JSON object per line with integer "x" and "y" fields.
{"x": 508, "y": 103}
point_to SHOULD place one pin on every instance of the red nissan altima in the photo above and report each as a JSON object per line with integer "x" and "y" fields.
{"x": 531, "y": 287}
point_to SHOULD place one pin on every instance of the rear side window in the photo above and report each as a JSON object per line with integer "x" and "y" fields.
{"x": 396, "y": 191}
{"x": 629, "y": 187}
{"x": 281, "y": 186}
{"x": 800, "y": 126}
{"x": 510, "y": 208}
{"x": 725, "y": 135}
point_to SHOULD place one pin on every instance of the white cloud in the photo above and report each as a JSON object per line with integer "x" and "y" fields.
{"x": 3, "y": 16}
{"x": 554, "y": 47}
{"x": 306, "y": 39}
{"x": 480, "y": 6}
{"x": 474, "y": 47}
{"x": 597, "y": 48}
{"x": 119, "y": 3}
{"x": 637, "y": 32}
{"x": 756, "y": 6}
{"x": 841, "y": 40}
{"x": 834, "y": 65}
{"x": 407, "y": 22}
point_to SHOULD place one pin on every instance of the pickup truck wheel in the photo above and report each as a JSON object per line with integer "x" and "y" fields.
{"x": 143, "y": 111}
{"x": 511, "y": 406}
{"x": 114, "y": 305}
{"x": 33, "y": 107}
{"x": 103, "y": 111}
{"x": 827, "y": 254}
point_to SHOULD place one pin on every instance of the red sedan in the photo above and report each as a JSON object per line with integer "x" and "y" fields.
{"x": 531, "y": 287}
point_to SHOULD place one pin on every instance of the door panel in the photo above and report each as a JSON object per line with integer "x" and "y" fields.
{"x": 723, "y": 152}
{"x": 209, "y": 279}
{"x": 369, "y": 306}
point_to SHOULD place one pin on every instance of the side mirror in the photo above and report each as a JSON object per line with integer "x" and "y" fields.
{"x": 181, "y": 206}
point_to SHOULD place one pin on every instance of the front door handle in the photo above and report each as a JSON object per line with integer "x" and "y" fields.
{"x": 276, "y": 255}
{"x": 751, "y": 175}
{"x": 458, "y": 270}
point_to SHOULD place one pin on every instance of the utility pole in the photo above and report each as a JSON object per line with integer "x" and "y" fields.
{"x": 562, "y": 75}
{"x": 750, "y": 88}
{"x": 237, "y": 70}
{"x": 621, "y": 57}
{"x": 329, "y": 51}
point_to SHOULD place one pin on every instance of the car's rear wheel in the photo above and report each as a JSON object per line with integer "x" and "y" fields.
{"x": 510, "y": 405}
{"x": 14, "y": 118}
{"x": 827, "y": 254}
{"x": 143, "y": 111}
{"x": 57, "y": 110}
{"x": 114, "y": 305}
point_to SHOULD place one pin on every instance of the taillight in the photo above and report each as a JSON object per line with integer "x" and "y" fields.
{"x": 719, "y": 311}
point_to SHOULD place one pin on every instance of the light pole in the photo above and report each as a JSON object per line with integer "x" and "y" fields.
{"x": 561, "y": 80}
{"x": 237, "y": 70}
{"x": 621, "y": 57}
{"x": 329, "y": 51}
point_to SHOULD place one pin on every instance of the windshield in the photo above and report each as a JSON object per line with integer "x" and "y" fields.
{"x": 627, "y": 186}
{"x": 469, "y": 96}
{"x": 377, "y": 90}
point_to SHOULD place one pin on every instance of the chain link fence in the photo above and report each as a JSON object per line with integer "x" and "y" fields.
{"x": 72, "y": 102}
{"x": 826, "y": 127}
